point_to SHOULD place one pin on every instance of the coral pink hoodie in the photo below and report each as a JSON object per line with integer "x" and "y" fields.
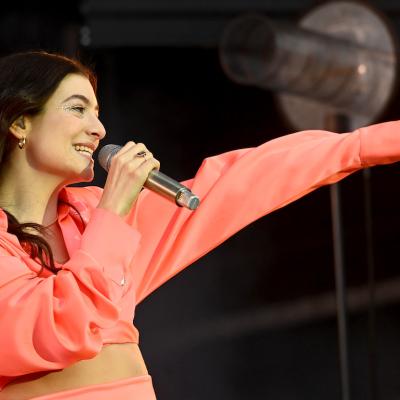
{"x": 50, "y": 322}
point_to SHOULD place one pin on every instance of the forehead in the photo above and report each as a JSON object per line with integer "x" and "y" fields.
{"x": 73, "y": 84}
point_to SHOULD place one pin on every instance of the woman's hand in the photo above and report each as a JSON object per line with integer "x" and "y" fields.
{"x": 126, "y": 177}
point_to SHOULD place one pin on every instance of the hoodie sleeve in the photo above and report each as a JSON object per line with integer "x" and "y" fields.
{"x": 50, "y": 323}
{"x": 240, "y": 186}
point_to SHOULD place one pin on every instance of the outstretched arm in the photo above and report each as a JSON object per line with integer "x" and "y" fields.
{"x": 240, "y": 186}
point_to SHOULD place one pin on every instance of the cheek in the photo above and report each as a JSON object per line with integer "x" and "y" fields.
{"x": 57, "y": 137}
{"x": 51, "y": 150}
{"x": 51, "y": 146}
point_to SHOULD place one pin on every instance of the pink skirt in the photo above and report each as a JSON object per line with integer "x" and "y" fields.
{"x": 138, "y": 388}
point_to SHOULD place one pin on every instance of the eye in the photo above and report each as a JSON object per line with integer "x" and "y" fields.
{"x": 78, "y": 109}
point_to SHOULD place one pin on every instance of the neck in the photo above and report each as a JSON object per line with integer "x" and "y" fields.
{"x": 28, "y": 198}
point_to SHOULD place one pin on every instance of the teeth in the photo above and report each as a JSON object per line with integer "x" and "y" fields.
{"x": 84, "y": 148}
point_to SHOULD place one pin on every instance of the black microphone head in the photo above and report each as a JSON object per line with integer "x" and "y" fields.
{"x": 106, "y": 154}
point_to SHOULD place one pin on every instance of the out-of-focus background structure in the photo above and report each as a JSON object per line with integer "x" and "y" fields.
{"x": 256, "y": 318}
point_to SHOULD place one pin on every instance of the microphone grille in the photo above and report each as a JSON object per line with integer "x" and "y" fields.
{"x": 106, "y": 154}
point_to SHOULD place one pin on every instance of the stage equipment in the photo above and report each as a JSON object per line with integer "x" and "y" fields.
{"x": 335, "y": 70}
{"x": 340, "y": 59}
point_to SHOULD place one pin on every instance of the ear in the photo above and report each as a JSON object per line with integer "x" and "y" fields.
{"x": 20, "y": 127}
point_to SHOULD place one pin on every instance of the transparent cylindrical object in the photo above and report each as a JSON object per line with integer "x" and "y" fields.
{"x": 257, "y": 51}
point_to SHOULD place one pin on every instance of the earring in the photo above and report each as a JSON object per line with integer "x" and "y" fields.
{"x": 21, "y": 142}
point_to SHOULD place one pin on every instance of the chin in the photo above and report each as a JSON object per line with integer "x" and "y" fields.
{"x": 84, "y": 176}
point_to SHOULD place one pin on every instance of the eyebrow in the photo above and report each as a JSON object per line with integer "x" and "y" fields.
{"x": 80, "y": 97}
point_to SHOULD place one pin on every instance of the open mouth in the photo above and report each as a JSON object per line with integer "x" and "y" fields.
{"x": 86, "y": 152}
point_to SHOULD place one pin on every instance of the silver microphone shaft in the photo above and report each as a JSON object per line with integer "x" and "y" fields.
{"x": 156, "y": 181}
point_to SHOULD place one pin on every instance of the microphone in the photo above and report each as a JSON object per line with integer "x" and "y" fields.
{"x": 156, "y": 181}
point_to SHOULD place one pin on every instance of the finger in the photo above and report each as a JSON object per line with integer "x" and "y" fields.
{"x": 128, "y": 157}
{"x": 148, "y": 156}
{"x": 125, "y": 148}
{"x": 156, "y": 164}
{"x": 125, "y": 158}
{"x": 134, "y": 164}
{"x": 148, "y": 165}
{"x": 132, "y": 152}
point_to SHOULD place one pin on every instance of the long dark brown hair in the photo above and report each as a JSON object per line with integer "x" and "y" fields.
{"x": 27, "y": 81}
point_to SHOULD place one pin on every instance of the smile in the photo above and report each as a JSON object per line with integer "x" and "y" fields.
{"x": 83, "y": 148}
{"x": 84, "y": 151}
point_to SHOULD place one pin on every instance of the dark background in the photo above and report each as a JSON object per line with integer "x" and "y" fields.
{"x": 255, "y": 318}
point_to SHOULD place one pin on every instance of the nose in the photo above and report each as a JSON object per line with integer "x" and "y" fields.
{"x": 96, "y": 128}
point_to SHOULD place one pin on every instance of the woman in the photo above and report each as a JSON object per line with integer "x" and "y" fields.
{"x": 74, "y": 261}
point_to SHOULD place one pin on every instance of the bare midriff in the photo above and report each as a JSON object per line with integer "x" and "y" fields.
{"x": 113, "y": 363}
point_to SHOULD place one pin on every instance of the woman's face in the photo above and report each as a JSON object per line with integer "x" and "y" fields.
{"x": 70, "y": 116}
